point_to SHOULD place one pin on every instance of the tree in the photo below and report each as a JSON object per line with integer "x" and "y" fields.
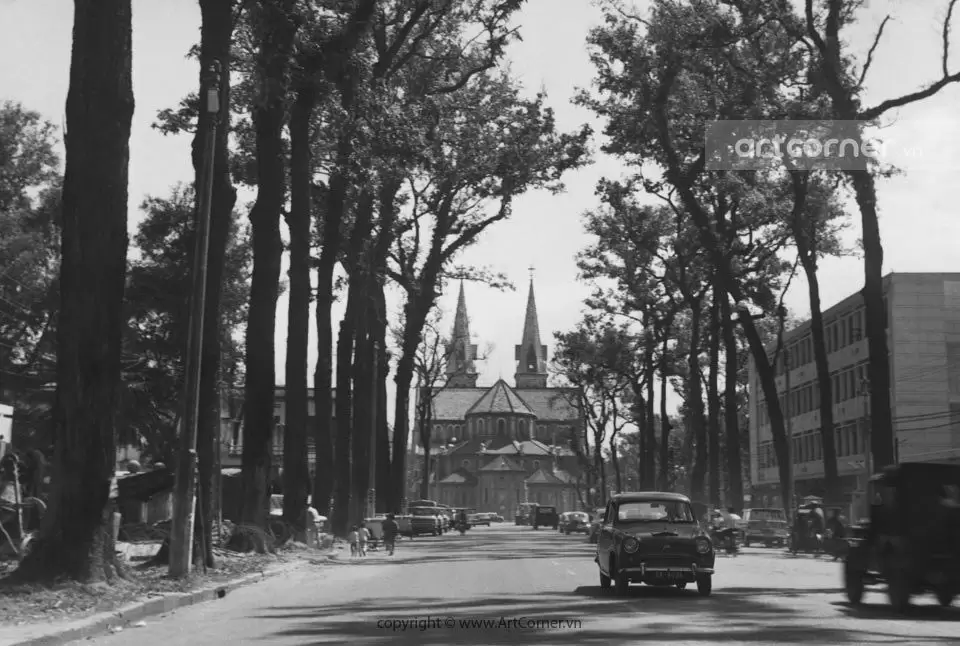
{"x": 275, "y": 26}
{"x": 77, "y": 537}
{"x": 833, "y": 77}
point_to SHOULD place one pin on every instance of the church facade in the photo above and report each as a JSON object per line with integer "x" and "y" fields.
{"x": 494, "y": 447}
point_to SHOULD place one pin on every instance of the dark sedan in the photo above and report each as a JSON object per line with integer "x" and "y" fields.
{"x": 653, "y": 538}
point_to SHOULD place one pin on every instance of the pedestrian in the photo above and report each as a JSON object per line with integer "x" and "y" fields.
{"x": 354, "y": 538}
{"x": 363, "y": 536}
{"x": 390, "y": 531}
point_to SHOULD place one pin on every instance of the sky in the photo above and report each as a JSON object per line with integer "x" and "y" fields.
{"x": 918, "y": 209}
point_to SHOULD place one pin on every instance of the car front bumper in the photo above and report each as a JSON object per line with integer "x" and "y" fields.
{"x": 644, "y": 570}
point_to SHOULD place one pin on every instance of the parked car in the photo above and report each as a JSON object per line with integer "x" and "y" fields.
{"x": 575, "y": 522}
{"x": 479, "y": 519}
{"x": 524, "y": 513}
{"x": 497, "y": 518}
{"x": 767, "y": 526}
{"x": 424, "y": 521}
{"x": 544, "y": 516}
{"x": 653, "y": 538}
{"x": 912, "y": 540}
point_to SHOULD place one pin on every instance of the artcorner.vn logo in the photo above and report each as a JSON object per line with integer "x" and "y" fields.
{"x": 808, "y": 148}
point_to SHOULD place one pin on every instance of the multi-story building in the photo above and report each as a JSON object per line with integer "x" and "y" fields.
{"x": 496, "y": 446}
{"x": 922, "y": 317}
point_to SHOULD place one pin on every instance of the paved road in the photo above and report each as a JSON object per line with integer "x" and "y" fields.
{"x": 511, "y": 573}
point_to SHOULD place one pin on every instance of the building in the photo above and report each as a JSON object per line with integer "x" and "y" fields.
{"x": 231, "y": 429}
{"x": 499, "y": 445}
{"x": 922, "y": 315}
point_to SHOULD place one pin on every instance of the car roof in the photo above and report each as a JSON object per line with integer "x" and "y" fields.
{"x": 645, "y": 496}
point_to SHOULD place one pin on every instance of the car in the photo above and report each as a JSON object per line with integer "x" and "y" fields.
{"x": 524, "y": 513}
{"x": 575, "y": 522}
{"x": 653, "y": 538}
{"x": 911, "y": 541}
{"x": 767, "y": 526}
{"x": 497, "y": 518}
{"x": 544, "y": 516}
{"x": 424, "y": 521}
{"x": 479, "y": 519}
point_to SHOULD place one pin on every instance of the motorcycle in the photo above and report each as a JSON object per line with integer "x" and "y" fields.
{"x": 725, "y": 538}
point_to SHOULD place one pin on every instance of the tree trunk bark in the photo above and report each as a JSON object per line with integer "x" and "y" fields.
{"x": 875, "y": 314}
{"x": 713, "y": 397}
{"x": 296, "y": 469}
{"x": 650, "y": 455}
{"x": 831, "y": 475}
{"x": 615, "y": 460}
{"x": 216, "y": 34}
{"x": 664, "y": 416}
{"x": 730, "y": 413}
{"x": 275, "y": 35}
{"x": 362, "y": 394}
{"x": 695, "y": 404}
{"x": 601, "y": 472}
{"x": 345, "y": 423}
{"x": 77, "y": 538}
{"x": 382, "y": 476}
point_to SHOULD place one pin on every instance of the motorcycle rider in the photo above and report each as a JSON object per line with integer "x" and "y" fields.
{"x": 462, "y": 521}
{"x": 728, "y": 527}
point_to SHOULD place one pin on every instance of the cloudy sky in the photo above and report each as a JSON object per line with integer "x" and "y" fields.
{"x": 918, "y": 218}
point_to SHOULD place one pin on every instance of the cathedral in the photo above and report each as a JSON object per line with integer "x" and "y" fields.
{"x": 494, "y": 447}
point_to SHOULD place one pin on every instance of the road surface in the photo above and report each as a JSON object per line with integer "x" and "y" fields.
{"x": 538, "y": 588}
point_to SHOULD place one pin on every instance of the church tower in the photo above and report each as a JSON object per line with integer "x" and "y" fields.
{"x": 531, "y": 355}
{"x": 461, "y": 371}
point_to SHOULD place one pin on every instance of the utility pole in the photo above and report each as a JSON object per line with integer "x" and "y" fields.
{"x": 185, "y": 494}
{"x": 789, "y": 503}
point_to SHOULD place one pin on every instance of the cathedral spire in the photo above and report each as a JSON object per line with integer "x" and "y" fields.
{"x": 531, "y": 354}
{"x": 461, "y": 372}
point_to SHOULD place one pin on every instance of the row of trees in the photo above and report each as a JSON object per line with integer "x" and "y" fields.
{"x": 387, "y": 135}
{"x": 690, "y": 266}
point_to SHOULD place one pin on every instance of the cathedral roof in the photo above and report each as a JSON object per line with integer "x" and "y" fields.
{"x": 460, "y": 476}
{"x": 470, "y": 447}
{"x": 551, "y": 403}
{"x": 531, "y": 353}
{"x": 501, "y": 463}
{"x": 463, "y": 353}
{"x": 500, "y": 400}
{"x": 528, "y": 447}
{"x": 542, "y": 476}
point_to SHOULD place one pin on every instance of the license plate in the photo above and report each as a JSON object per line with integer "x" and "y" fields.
{"x": 670, "y": 574}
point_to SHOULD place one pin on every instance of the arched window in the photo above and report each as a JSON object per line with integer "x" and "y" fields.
{"x": 437, "y": 432}
{"x": 501, "y": 426}
{"x": 450, "y": 434}
{"x": 465, "y": 464}
{"x": 536, "y": 464}
{"x": 522, "y": 429}
{"x": 480, "y": 427}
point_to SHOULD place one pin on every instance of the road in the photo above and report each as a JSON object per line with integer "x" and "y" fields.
{"x": 431, "y": 590}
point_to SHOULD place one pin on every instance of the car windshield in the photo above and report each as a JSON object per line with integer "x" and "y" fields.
{"x": 548, "y": 510}
{"x": 766, "y": 514}
{"x": 578, "y": 515}
{"x": 670, "y": 511}
{"x": 421, "y": 511}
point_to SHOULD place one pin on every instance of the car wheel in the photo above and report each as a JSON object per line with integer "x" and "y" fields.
{"x": 898, "y": 588}
{"x": 945, "y": 596}
{"x": 705, "y": 585}
{"x": 604, "y": 581}
{"x": 853, "y": 583}
{"x": 620, "y": 583}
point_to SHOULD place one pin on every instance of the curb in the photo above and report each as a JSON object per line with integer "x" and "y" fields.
{"x": 103, "y": 623}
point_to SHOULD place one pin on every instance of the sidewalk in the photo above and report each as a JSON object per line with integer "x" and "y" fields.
{"x": 131, "y": 616}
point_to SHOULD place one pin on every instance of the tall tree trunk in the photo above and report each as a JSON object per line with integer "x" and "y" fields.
{"x": 831, "y": 475}
{"x": 875, "y": 315}
{"x": 382, "y": 475}
{"x": 424, "y": 422}
{"x": 275, "y": 32}
{"x": 615, "y": 461}
{"x": 345, "y": 423}
{"x": 695, "y": 404}
{"x": 295, "y": 466}
{"x": 730, "y": 413}
{"x": 77, "y": 539}
{"x": 713, "y": 398}
{"x": 216, "y": 34}
{"x": 664, "y": 416}
{"x": 362, "y": 395}
{"x": 650, "y": 455}
{"x": 601, "y": 471}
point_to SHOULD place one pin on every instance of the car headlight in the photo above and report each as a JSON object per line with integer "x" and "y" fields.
{"x": 703, "y": 545}
{"x": 630, "y": 545}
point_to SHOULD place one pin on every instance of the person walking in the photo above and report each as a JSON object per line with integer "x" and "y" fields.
{"x": 363, "y": 536}
{"x": 354, "y": 539}
{"x": 390, "y": 531}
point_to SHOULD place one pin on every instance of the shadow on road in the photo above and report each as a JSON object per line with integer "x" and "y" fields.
{"x": 922, "y": 613}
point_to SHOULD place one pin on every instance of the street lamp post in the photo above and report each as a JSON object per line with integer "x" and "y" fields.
{"x": 181, "y": 535}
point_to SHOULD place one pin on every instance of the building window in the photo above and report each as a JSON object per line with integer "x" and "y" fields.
{"x": 480, "y": 427}
{"x": 536, "y": 464}
{"x": 501, "y": 427}
{"x": 465, "y": 464}
{"x": 522, "y": 429}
